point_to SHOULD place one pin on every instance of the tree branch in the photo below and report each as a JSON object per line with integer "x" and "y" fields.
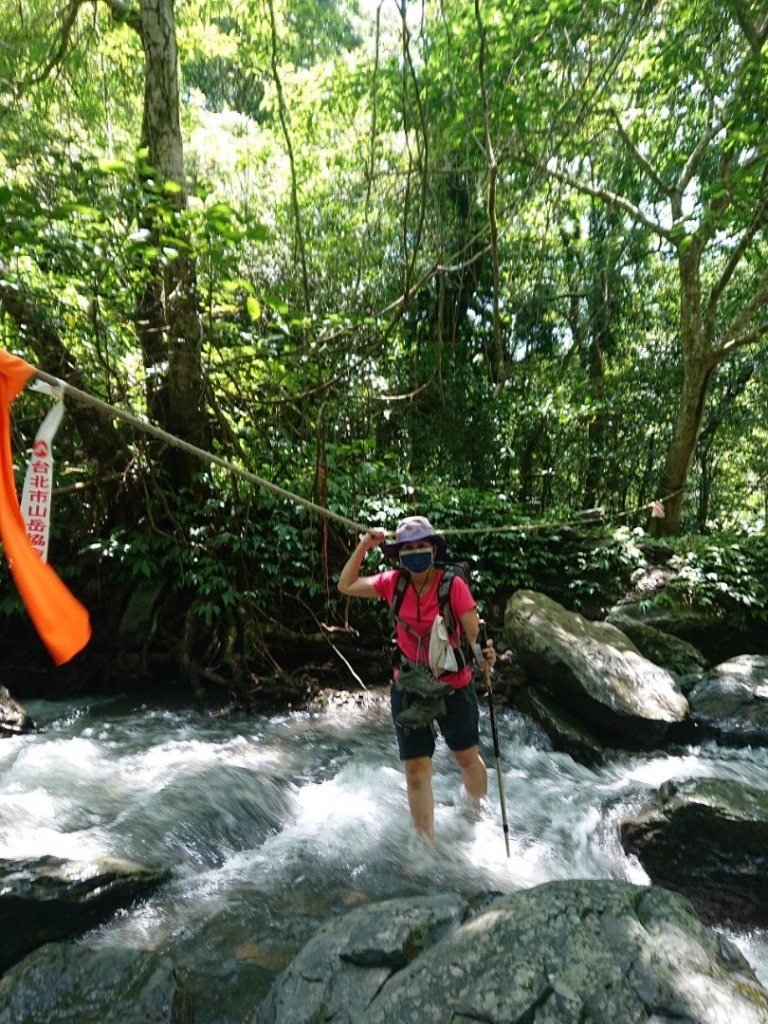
{"x": 696, "y": 156}
{"x": 756, "y": 32}
{"x": 409, "y": 71}
{"x": 758, "y": 221}
{"x": 716, "y": 126}
{"x": 121, "y": 12}
{"x": 750, "y": 338}
{"x": 283, "y": 114}
{"x": 644, "y": 163}
{"x": 739, "y": 333}
{"x": 609, "y": 197}
{"x": 57, "y": 57}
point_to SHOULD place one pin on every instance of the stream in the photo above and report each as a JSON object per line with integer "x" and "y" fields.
{"x": 270, "y": 825}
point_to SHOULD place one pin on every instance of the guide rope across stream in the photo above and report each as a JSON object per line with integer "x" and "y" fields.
{"x": 297, "y": 499}
{"x": 186, "y": 446}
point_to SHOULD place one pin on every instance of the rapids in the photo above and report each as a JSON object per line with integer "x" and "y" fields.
{"x": 272, "y": 824}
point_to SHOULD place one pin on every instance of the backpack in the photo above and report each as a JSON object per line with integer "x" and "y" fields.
{"x": 450, "y": 571}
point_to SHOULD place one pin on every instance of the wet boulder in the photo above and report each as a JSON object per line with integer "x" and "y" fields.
{"x": 49, "y": 899}
{"x": 730, "y": 703}
{"x": 61, "y": 982}
{"x": 567, "y": 733}
{"x": 14, "y": 719}
{"x": 707, "y": 838}
{"x": 712, "y": 634}
{"x": 593, "y": 672}
{"x": 671, "y": 652}
{"x": 601, "y": 951}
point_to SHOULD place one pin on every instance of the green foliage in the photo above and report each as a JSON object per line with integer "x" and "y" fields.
{"x": 261, "y": 557}
{"x": 724, "y": 574}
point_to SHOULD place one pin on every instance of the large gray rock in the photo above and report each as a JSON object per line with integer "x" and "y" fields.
{"x": 67, "y": 984}
{"x": 671, "y": 652}
{"x": 710, "y": 633}
{"x": 339, "y": 972}
{"x": 48, "y": 899}
{"x": 14, "y": 718}
{"x": 597, "y": 951}
{"x": 567, "y": 733}
{"x": 731, "y": 701}
{"x": 707, "y": 838}
{"x": 594, "y": 671}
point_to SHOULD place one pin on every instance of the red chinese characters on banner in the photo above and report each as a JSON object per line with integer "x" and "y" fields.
{"x": 36, "y": 510}
{"x": 38, "y": 482}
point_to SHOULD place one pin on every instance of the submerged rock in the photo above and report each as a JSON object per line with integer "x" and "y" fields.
{"x": 601, "y": 951}
{"x": 48, "y": 899}
{"x": 594, "y": 672}
{"x": 707, "y": 838}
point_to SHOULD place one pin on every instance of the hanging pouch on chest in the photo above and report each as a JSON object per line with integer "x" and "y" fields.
{"x": 441, "y": 655}
{"x": 417, "y": 681}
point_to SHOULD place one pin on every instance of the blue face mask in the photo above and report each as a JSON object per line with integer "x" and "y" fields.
{"x": 418, "y": 560}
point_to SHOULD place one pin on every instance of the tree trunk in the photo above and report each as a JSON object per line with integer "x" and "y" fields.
{"x": 698, "y": 363}
{"x": 169, "y": 318}
{"x": 596, "y": 428}
{"x": 706, "y": 476}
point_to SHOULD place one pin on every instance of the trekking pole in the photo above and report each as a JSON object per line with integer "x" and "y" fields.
{"x": 495, "y": 734}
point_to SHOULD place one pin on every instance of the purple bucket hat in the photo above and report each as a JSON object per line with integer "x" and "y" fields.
{"x": 413, "y": 529}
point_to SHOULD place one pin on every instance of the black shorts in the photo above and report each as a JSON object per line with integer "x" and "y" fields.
{"x": 460, "y": 725}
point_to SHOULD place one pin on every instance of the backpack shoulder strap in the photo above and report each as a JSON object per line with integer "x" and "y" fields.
{"x": 444, "y": 599}
{"x": 397, "y": 600}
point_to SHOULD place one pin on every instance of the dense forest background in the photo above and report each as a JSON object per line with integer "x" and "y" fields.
{"x": 501, "y": 263}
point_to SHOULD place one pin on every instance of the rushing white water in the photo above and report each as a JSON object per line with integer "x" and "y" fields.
{"x": 270, "y": 825}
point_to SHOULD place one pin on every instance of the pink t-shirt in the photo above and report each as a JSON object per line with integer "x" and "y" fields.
{"x": 419, "y": 612}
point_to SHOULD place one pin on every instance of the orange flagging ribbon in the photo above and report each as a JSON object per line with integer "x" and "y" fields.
{"x": 58, "y": 616}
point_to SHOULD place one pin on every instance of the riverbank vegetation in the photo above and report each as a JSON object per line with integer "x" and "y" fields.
{"x": 503, "y": 264}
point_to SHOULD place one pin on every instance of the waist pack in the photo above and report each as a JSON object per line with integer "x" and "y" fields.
{"x": 417, "y": 681}
{"x": 424, "y": 696}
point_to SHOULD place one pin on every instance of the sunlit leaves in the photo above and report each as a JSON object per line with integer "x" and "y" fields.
{"x": 392, "y": 169}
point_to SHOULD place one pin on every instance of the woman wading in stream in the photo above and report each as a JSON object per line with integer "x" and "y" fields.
{"x": 419, "y": 699}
